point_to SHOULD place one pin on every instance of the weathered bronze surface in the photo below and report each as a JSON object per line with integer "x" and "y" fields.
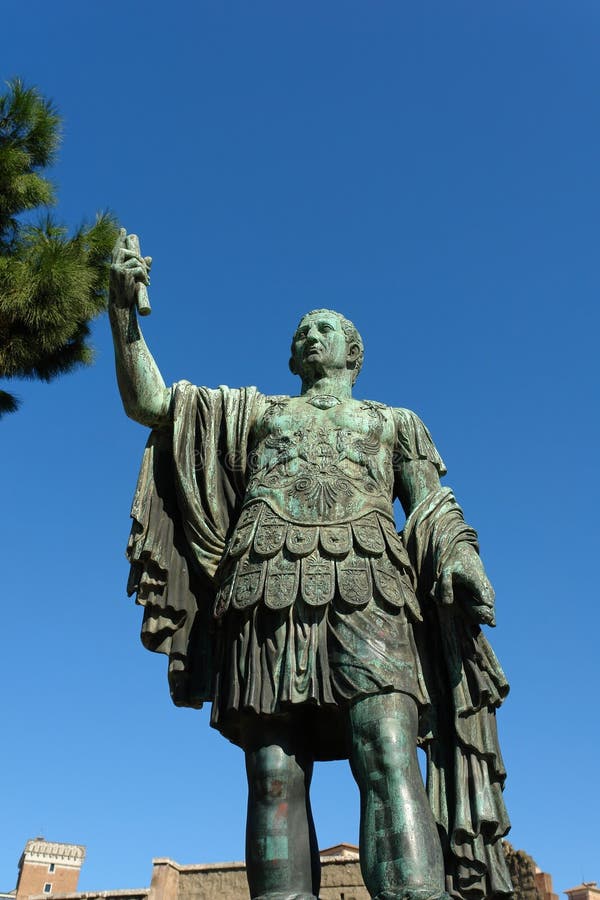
{"x": 265, "y": 554}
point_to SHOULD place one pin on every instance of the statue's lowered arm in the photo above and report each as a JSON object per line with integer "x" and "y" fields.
{"x": 456, "y": 573}
{"x": 143, "y": 391}
{"x": 465, "y": 772}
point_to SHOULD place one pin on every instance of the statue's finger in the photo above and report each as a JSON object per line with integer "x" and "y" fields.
{"x": 133, "y": 243}
{"x": 484, "y": 592}
{"x": 445, "y": 594}
{"x": 132, "y": 254}
{"x": 485, "y": 615}
{"x": 120, "y": 242}
{"x": 136, "y": 271}
{"x": 489, "y": 596}
{"x": 135, "y": 266}
{"x": 132, "y": 262}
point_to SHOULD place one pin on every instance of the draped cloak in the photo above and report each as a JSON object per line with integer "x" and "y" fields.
{"x": 188, "y": 498}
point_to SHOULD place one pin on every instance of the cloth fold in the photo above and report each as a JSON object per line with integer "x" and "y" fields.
{"x": 188, "y": 495}
{"x": 465, "y": 771}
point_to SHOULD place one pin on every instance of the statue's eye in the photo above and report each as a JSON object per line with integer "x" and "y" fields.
{"x": 325, "y": 326}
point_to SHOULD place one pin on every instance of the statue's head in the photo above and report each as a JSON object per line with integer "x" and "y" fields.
{"x": 325, "y": 339}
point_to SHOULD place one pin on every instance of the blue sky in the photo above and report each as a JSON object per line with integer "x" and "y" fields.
{"x": 429, "y": 169}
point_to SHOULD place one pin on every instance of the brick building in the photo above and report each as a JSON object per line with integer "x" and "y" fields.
{"x": 529, "y": 881}
{"x": 48, "y": 868}
{"x": 340, "y": 878}
{"x": 52, "y": 870}
{"x": 589, "y": 890}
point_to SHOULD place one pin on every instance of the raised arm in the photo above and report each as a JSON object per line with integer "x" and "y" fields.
{"x": 143, "y": 391}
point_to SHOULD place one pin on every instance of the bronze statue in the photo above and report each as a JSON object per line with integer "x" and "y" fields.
{"x": 265, "y": 554}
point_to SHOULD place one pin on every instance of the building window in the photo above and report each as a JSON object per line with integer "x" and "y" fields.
{"x": 51, "y": 867}
{"x": 47, "y": 888}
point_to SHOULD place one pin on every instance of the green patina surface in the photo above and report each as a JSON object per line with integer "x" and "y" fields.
{"x": 327, "y": 634}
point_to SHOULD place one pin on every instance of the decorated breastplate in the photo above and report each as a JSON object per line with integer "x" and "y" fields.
{"x": 271, "y": 561}
{"x": 316, "y": 465}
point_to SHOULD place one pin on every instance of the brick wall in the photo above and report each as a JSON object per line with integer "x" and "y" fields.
{"x": 340, "y": 877}
{"x": 35, "y": 875}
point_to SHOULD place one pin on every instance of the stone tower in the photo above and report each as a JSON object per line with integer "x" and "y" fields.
{"x": 589, "y": 890}
{"x": 49, "y": 868}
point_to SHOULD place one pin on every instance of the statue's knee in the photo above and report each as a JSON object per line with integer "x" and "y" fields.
{"x": 383, "y": 749}
{"x": 384, "y": 735}
{"x": 269, "y": 775}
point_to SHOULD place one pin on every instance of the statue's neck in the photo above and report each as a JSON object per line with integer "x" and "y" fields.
{"x": 334, "y": 385}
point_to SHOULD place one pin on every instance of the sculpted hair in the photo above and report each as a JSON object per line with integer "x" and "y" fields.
{"x": 352, "y": 337}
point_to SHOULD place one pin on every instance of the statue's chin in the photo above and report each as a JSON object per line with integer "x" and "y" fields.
{"x": 310, "y": 371}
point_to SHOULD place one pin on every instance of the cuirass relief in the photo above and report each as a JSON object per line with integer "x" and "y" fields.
{"x": 317, "y": 515}
{"x": 322, "y": 465}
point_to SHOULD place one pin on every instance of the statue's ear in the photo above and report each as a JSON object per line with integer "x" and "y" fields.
{"x": 292, "y": 366}
{"x": 352, "y": 354}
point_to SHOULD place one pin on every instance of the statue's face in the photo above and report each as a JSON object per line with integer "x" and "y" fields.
{"x": 319, "y": 345}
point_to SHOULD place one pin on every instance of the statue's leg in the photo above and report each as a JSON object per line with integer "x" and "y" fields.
{"x": 282, "y": 856}
{"x": 400, "y": 851}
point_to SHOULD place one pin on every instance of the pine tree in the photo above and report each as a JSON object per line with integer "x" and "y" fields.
{"x": 51, "y": 285}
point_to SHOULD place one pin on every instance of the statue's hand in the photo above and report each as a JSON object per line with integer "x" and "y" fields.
{"x": 127, "y": 270}
{"x": 463, "y": 580}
